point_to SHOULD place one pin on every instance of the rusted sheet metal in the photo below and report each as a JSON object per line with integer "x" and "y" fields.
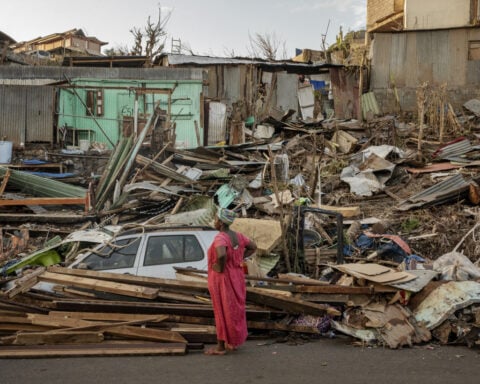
{"x": 445, "y": 300}
{"x": 12, "y": 118}
{"x": 345, "y": 93}
{"x": 450, "y": 188}
{"x": 50, "y": 74}
{"x": 453, "y": 151}
{"x": 27, "y": 113}
{"x": 40, "y": 108}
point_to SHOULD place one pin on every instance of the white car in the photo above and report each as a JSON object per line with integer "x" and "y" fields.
{"x": 151, "y": 253}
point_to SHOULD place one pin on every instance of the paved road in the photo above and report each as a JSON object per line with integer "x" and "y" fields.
{"x": 319, "y": 361}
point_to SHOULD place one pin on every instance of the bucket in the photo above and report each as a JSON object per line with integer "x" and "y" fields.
{"x": 84, "y": 145}
{"x": 5, "y": 152}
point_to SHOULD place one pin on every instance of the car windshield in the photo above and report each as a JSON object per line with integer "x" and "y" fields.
{"x": 118, "y": 254}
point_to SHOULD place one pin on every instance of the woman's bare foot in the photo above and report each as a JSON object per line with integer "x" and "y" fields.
{"x": 215, "y": 351}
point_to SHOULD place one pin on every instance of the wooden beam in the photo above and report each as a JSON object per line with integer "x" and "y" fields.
{"x": 37, "y": 338}
{"x": 103, "y": 349}
{"x": 126, "y": 331}
{"x": 141, "y": 280}
{"x": 85, "y": 201}
{"x": 257, "y": 295}
{"x": 100, "y": 285}
{"x": 4, "y": 181}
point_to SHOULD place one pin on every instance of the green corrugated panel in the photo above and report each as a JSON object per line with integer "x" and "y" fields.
{"x": 41, "y": 186}
{"x": 115, "y": 164}
{"x": 369, "y": 105}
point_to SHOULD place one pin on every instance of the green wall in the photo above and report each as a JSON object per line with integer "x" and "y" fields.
{"x": 119, "y": 102}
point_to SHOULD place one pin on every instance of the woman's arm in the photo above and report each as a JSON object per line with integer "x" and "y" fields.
{"x": 219, "y": 266}
{"x": 250, "y": 249}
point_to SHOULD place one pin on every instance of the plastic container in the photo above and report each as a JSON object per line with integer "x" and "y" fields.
{"x": 84, "y": 145}
{"x": 5, "y": 152}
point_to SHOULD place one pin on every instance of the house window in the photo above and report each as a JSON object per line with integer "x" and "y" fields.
{"x": 94, "y": 103}
{"x": 474, "y": 50}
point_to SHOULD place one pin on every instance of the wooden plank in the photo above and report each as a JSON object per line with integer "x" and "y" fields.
{"x": 112, "y": 329}
{"x": 278, "y": 326}
{"x": 334, "y": 289}
{"x": 153, "y": 281}
{"x": 15, "y": 319}
{"x": 103, "y": 349}
{"x": 4, "y": 181}
{"x": 258, "y": 296}
{"x": 11, "y": 327}
{"x": 46, "y": 201}
{"x": 24, "y": 283}
{"x": 100, "y": 285}
{"x": 98, "y": 316}
{"x": 345, "y": 211}
{"x": 37, "y": 338}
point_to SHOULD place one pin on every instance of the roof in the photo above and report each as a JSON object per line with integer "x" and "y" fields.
{"x": 55, "y": 36}
{"x": 5, "y": 37}
{"x": 105, "y": 61}
{"x": 167, "y": 59}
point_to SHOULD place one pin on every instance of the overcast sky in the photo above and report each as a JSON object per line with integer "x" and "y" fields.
{"x": 209, "y": 27}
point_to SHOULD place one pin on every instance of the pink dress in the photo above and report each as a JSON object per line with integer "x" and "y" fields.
{"x": 228, "y": 291}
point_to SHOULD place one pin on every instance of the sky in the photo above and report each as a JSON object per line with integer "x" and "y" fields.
{"x": 208, "y": 27}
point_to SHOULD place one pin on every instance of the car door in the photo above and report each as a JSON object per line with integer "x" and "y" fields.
{"x": 164, "y": 251}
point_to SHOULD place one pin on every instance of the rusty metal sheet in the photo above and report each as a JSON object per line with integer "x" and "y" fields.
{"x": 445, "y": 300}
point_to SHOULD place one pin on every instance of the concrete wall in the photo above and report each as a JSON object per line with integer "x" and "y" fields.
{"x": 433, "y": 14}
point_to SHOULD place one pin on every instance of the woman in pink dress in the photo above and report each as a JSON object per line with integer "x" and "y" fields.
{"x": 226, "y": 283}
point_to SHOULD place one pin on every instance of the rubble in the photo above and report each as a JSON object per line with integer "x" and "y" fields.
{"x": 410, "y": 197}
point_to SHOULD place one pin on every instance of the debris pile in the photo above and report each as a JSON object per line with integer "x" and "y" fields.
{"x": 376, "y": 224}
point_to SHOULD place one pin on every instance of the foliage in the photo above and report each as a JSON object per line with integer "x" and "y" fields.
{"x": 150, "y": 41}
{"x": 266, "y": 46}
{"x": 410, "y": 224}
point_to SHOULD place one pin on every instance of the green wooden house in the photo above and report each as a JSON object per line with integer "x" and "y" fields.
{"x": 105, "y": 110}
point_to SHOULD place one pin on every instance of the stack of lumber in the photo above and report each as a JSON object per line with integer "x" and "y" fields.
{"x": 89, "y": 313}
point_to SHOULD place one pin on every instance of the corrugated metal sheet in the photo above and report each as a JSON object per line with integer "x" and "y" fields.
{"x": 411, "y": 58}
{"x": 8, "y": 73}
{"x": 40, "y": 107}
{"x": 232, "y": 89}
{"x": 217, "y": 122}
{"x": 454, "y": 151}
{"x": 369, "y": 104}
{"x": 27, "y": 113}
{"x": 12, "y": 118}
{"x": 446, "y": 190}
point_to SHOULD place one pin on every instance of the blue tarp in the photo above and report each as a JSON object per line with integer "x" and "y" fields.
{"x": 52, "y": 175}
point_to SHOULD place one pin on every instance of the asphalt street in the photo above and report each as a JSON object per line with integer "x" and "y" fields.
{"x": 336, "y": 360}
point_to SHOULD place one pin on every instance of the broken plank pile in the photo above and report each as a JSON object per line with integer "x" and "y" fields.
{"x": 90, "y": 313}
